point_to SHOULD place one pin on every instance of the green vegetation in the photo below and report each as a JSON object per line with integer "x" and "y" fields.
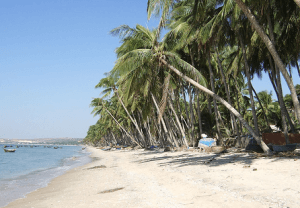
{"x": 197, "y": 78}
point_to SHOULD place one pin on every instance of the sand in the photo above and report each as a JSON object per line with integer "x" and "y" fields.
{"x": 172, "y": 179}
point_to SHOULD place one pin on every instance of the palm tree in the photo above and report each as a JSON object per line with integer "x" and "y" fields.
{"x": 100, "y": 107}
{"x": 138, "y": 55}
{"x": 270, "y": 45}
{"x": 108, "y": 83}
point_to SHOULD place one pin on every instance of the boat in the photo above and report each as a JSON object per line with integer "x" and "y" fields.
{"x": 9, "y": 150}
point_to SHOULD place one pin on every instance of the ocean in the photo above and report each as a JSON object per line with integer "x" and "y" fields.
{"x": 32, "y": 167}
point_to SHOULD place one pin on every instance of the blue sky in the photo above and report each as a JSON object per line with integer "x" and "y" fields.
{"x": 52, "y": 54}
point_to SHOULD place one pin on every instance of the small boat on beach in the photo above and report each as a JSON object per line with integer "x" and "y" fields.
{"x": 9, "y": 150}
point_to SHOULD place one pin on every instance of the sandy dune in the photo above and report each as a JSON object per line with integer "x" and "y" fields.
{"x": 172, "y": 179}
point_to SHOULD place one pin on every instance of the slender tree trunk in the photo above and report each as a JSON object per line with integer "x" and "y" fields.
{"x": 215, "y": 102}
{"x": 281, "y": 103}
{"x": 282, "y": 107}
{"x": 247, "y": 71}
{"x": 199, "y": 114}
{"x": 238, "y": 103}
{"x": 152, "y": 142}
{"x": 297, "y": 65}
{"x": 221, "y": 100}
{"x": 210, "y": 124}
{"x": 185, "y": 105}
{"x": 262, "y": 108}
{"x": 177, "y": 99}
{"x": 132, "y": 120}
{"x": 140, "y": 123}
{"x": 159, "y": 132}
{"x": 220, "y": 118}
{"x": 122, "y": 127}
{"x": 290, "y": 71}
{"x": 113, "y": 136}
{"x": 274, "y": 54}
{"x": 233, "y": 121}
{"x": 209, "y": 105}
{"x": 163, "y": 102}
{"x": 240, "y": 126}
{"x": 276, "y": 72}
{"x": 179, "y": 124}
{"x": 187, "y": 114}
{"x": 163, "y": 122}
{"x": 191, "y": 115}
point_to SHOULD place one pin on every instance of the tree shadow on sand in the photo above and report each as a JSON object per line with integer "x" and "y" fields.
{"x": 211, "y": 160}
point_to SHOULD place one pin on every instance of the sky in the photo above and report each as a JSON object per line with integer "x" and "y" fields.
{"x": 52, "y": 54}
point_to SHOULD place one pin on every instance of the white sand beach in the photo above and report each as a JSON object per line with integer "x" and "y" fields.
{"x": 172, "y": 179}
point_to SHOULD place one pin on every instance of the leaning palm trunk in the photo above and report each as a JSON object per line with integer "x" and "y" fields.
{"x": 273, "y": 52}
{"x": 221, "y": 100}
{"x": 163, "y": 123}
{"x": 132, "y": 120}
{"x": 131, "y": 137}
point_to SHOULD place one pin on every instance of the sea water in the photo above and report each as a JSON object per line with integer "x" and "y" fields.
{"x": 33, "y": 166}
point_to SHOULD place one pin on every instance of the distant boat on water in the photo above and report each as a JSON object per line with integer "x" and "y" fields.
{"x": 9, "y": 150}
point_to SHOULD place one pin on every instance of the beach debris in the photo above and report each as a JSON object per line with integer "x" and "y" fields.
{"x": 246, "y": 166}
{"x": 234, "y": 150}
{"x": 209, "y": 160}
{"x": 218, "y": 149}
{"x": 107, "y": 149}
{"x": 254, "y": 169}
{"x": 111, "y": 190}
{"x": 95, "y": 167}
{"x": 167, "y": 149}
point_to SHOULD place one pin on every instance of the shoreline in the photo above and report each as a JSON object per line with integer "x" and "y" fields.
{"x": 171, "y": 179}
{"x": 37, "y": 176}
